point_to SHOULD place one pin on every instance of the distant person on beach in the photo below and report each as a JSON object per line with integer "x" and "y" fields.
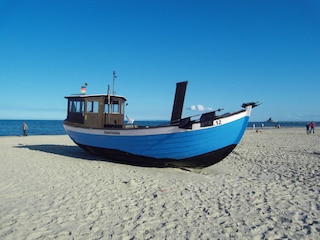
{"x": 312, "y": 126}
{"x": 24, "y": 129}
{"x": 307, "y": 127}
{"x": 253, "y": 127}
{"x": 262, "y": 125}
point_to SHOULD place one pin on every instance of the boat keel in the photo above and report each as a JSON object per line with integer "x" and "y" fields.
{"x": 200, "y": 161}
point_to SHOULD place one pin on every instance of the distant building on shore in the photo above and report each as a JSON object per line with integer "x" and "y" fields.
{"x": 270, "y": 120}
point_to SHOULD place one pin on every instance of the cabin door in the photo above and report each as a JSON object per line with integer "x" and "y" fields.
{"x": 93, "y": 114}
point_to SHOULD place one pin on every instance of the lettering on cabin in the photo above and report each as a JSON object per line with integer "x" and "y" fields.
{"x": 115, "y": 133}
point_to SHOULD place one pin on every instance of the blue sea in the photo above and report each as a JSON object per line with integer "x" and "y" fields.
{"x": 54, "y": 127}
{"x": 47, "y": 127}
{"x": 300, "y": 124}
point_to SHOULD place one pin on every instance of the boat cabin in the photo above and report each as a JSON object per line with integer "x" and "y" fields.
{"x": 96, "y": 111}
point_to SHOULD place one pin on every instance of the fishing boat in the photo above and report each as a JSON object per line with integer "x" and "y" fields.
{"x": 96, "y": 123}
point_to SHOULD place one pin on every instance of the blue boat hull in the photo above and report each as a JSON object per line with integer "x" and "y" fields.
{"x": 165, "y": 146}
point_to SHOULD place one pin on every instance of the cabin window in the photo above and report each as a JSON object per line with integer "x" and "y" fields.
{"x": 105, "y": 108}
{"x": 122, "y": 108}
{"x": 115, "y": 107}
{"x": 76, "y": 106}
{"x": 93, "y": 106}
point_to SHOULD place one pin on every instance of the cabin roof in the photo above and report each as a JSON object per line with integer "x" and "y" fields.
{"x": 93, "y": 95}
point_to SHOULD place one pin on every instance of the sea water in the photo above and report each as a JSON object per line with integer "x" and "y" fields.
{"x": 35, "y": 127}
{"x": 55, "y": 127}
{"x": 287, "y": 124}
{"x": 47, "y": 127}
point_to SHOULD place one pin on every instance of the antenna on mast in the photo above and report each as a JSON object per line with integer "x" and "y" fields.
{"x": 114, "y": 78}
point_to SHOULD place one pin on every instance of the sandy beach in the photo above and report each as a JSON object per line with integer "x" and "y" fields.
{"x": 267, "y": 188}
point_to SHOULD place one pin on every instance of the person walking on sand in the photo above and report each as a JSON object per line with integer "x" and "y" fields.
{"x": 307, "y": 127}
{"x": 24, "y": 129}
{"x": 312, "y": 126}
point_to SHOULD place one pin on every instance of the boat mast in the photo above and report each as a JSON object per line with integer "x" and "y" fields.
{"x": 114, "y": 78}
{"x": 109, "y": 104}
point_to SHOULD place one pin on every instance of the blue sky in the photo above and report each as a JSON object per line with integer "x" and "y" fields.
{"x": 230, "y": 52}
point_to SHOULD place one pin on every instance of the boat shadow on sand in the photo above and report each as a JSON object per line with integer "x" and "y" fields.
{"x": 76, "y": 152}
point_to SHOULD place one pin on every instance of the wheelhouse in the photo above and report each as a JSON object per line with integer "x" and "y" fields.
{"x": 96, "y": 111}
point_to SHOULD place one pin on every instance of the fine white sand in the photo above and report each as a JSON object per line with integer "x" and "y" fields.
{"x": 268, "y": 188}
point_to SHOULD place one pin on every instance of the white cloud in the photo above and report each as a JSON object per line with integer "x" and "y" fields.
{"x": 192, "y": 108}
{"x": 199, "y": 108}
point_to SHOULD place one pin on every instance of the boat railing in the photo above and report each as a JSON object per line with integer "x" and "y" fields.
{"x": 205, "y": 119}
{"x": 186, "y": 123}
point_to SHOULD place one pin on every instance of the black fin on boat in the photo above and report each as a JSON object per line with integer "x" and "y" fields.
{"x": 178, "y": 102}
